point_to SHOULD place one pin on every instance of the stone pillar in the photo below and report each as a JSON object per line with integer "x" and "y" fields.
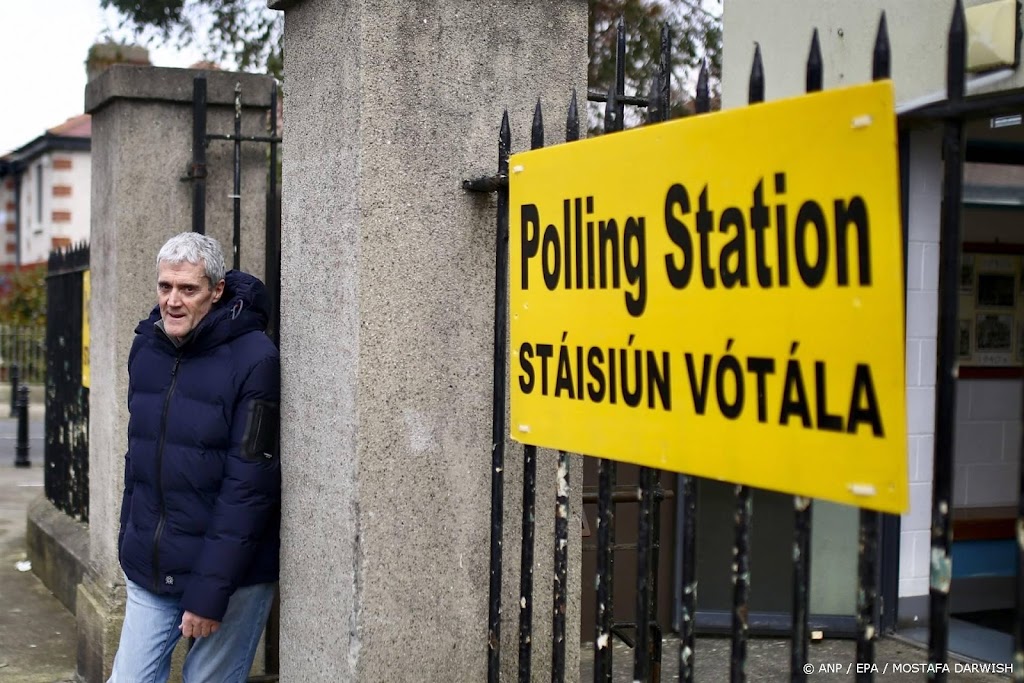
{"x": 141, "y": 149}
{"x": 387, "y": 318}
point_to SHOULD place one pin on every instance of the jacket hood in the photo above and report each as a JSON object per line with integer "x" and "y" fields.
{"x": 243, "y": 308}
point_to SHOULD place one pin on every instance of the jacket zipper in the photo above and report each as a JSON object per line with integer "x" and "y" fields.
{"x": 159, "y": 477}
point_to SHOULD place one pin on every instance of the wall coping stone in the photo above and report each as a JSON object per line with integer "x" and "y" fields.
{"x": 162, "y": 84}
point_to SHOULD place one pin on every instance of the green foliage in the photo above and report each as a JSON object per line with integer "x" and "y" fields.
{"x": 242, "y": 33}
{"x": 23, "y": 299}
{"x": 696, "y": 35}
{"x": 247, "y": 35}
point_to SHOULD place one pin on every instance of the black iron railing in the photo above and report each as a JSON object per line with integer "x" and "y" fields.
{"x": 198, "y": 172}
{"x": 23, "y": 353}
{"x": 647, "y": 634}
{"x": 197, "y": 175}
{"x": 66, "y": 452}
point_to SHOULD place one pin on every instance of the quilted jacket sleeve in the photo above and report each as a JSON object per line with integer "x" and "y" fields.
{"x": 250, "y": 494}
{"x": 129, "y": 483}
{"x": 126, "y": 501}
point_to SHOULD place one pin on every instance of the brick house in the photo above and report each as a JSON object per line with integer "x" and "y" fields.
{"x": 45, "y": 192}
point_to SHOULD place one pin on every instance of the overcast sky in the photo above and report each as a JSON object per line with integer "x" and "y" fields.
{"x": 43, "y": 46}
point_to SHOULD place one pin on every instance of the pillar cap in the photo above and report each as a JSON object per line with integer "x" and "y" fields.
{"x": 161, "y": 84}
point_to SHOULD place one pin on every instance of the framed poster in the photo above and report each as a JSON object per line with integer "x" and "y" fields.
{"x": 991, "y": 310}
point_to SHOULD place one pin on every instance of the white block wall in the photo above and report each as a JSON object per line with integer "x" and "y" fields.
{"x": 988, "y": 433}
{"x": 922, "y": 324}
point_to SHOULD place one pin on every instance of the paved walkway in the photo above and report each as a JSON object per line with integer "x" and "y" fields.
{"x": 37, "y": 634}
{"x": 768, "y": 660}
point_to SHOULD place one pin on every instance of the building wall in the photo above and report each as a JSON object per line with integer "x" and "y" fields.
{"x": 922, "y": 323}
{"x": 8, "y": 224}
{"x": 988, "y": 427}
{"x": 33, "y": 205}
{"x": 988, "y": 424}
{"x": 55, "y": 203}
{"x": 918, "y": 32}
{"x": 988, "y": 433}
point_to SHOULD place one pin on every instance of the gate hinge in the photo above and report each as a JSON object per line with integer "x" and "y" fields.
{"x": 486, "y": 184}
{"x": 194, "y": 171}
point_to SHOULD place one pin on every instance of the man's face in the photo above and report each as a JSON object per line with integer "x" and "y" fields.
{"x": 185, "y": 296}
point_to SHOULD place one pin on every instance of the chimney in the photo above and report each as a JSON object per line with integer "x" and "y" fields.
{"x": 102, "y": 55}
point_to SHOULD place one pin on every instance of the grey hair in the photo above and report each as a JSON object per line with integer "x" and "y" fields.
{"x": 191, "y": 247}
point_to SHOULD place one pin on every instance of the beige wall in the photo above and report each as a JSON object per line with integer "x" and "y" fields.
{"x": 917, "y": 33}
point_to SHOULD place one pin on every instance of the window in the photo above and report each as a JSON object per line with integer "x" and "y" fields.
{"x": 39, "y": 193}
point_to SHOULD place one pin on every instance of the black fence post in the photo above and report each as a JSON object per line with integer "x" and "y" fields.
{"x": 688, "y": 498}
{"x": 66, "y": 428}
{"x": 604, "y": 626}
{"x": 572, "y": 134}
{"x": 526, "y": 563}
{"x": 498, "y": 408}
{"x": 14, "y": 389}
{"x": 21, "y": 458}
{"x": 272, "y": 233}
{"x": 870, "y": 520}
{"x": 197, "y": 173}
{"x": 945, "y": 403}
{"x": 236, "y": 198}
{"x": 603, "y": 638}
{"x": 802, "y": 507}
{"x": 744, "y": 500}
{"x": 529, "y": 500}
{"x": 561, "y": 569}
{"x": 641, "y": 653}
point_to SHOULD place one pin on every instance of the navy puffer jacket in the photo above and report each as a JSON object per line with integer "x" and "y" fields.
{"x": 201, "y": 513}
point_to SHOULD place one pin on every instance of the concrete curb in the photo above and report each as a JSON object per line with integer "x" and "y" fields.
{"x": 58, "y": 547}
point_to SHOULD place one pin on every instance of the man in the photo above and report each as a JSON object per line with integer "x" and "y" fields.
{"x": 200, "y": 517}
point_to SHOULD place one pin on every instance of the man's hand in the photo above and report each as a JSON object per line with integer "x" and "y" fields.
{"x": 195, "y": 626}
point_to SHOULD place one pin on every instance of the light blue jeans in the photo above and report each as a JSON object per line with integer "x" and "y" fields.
{"x": 150, "y": 632}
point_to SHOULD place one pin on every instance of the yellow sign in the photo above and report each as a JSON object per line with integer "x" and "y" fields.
{"x": 86, "y": 296}
{"x": 720, "y": 295}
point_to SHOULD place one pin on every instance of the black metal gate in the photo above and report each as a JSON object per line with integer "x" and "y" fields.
{"x": 66, "y": 453}
{"x": 197, "y": 176}
{"x": 646, "y": 628}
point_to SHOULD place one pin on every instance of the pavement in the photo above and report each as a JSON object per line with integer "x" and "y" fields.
{"x": 38, "y": 639}
{"x": 830, "y": 661}
{"x": 37, "y": 634}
